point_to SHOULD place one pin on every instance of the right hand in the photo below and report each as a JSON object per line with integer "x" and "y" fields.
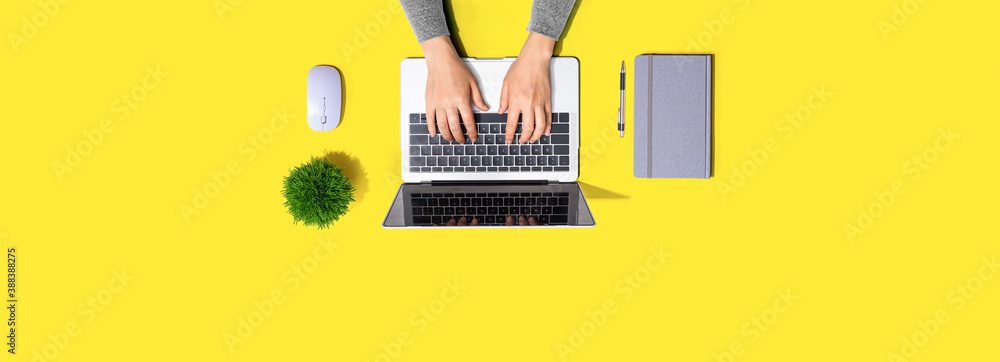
{"x": 450, "y": 85}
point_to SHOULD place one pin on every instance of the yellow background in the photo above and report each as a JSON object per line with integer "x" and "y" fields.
{"x": 195, "y": 279}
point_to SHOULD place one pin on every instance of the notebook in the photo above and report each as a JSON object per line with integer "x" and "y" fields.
{"x": 672, "y": 119}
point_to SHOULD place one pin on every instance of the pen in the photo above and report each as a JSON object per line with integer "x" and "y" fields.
{"x": 621, "y": 105}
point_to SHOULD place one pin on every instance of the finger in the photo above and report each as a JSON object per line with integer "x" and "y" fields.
{"x": 477, "y": 98}
{"x": 470, "y": 122}
{"x": 527, "y": 125}
{"x": 452, "y": 222}
{"x": 463, "y": 221}
{"x": 532, "y": 221}
{"x": 503, "y": 99}
{"x": 431, "y": 126}
{"x": 512, "y": 116}
{"x": 455, "y": 126}
{"x": 522, "y": 220}
{"x": 441, "y": 119}
{"x": 475, "y": 222}
{"x": 539, "y": 124}
{"x": 548, "y": 118}
{"x": 510, "y": 220}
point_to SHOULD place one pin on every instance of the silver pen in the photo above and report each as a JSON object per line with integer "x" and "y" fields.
{"x": 621, "y": 105}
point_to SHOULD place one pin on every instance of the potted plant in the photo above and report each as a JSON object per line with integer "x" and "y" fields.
{"x": 317, "y": 193}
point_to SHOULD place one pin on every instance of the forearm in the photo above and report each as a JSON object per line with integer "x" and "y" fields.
{"x": 426, "y": 17}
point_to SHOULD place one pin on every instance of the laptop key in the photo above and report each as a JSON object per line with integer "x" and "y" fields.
{"x": 436, "y": 140}
{"x": 508, "y": 160}
{"x": 436, "y": 150}
{"x": 563, "y": 160}
{"x": 416, "y": 161}
{"x": 560, "y": 128}
{"x": 563, "y": 117}
{"x": 463, "y": 161}
{"x": 553, "y": 160}
{"x": 448, "y": 150}
{"x": 541, "y": 160}
{"x": 419, "y": 129}
{"x": 514, "y": 150}
{"x": 414, "y": 117}
{"x": 536, "y": 149}
{"x": 442, "y": 161}
{"x": 431, "y": 161}
{"x": 425, "y": 150}
{"x": 480, "y": 150}
{"x": 425, "y": 169}
{"x": 502, "y": 150}
{"x": 418, "y": 140}
{"x": 486, "y": 161}
{"x": 560, "y": 139}
{"x": 491, "y": 150}
{"x": 453, "y": 161}
{"x": 519, "y": 161}
{"x": 470, "y": 150}
{"x": 560, "y": 150}
{"x": 529, "y": 160}
{"x": 474, "y": 160}
{"x": 546, "y": 150}
{"x": 496, "y": 128}
{"x": 525, "y": 149}
{"x": 459, "y": 150}
{"x": 493, "y": 118}
{"x": 498, "y": 161}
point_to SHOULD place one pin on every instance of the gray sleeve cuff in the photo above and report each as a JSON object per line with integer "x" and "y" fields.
{"x": 548, "y": 17}
{"x": 426, "y": 18}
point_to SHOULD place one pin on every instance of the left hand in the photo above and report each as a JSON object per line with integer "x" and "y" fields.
{"x": 526, "y": 90}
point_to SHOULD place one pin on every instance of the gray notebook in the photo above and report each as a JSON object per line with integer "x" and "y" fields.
{"x": 672, "y": 121}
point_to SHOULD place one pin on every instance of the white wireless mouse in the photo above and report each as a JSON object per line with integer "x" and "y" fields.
{"x": 323, "y": 95}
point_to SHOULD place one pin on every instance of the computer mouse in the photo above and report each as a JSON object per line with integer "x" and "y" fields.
{"x": 323, "y": 95}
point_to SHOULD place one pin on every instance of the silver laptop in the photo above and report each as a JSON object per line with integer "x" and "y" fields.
{"x": 489, "y": 180}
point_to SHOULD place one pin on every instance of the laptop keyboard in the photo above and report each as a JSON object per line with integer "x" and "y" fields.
{"x": 490, "y": 208}
{"x": 489, "y": 153}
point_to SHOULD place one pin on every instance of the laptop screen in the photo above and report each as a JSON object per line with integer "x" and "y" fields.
{"x": 489, "y": 205}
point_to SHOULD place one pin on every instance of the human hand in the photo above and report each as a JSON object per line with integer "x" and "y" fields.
{"x": 526, "y": 90}
{"x": 450, "y": 85}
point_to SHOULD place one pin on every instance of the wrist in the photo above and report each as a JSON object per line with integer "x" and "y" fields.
{"x": 538, "y": 47}
{"x": 438, "y": 49}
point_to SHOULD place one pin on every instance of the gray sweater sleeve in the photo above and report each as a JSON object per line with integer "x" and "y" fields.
{"x": 426, "y": 17}
{"x": 548, "y": 17}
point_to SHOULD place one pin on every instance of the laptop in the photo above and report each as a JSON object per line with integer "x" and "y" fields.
{"x": 489, "y": 180}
